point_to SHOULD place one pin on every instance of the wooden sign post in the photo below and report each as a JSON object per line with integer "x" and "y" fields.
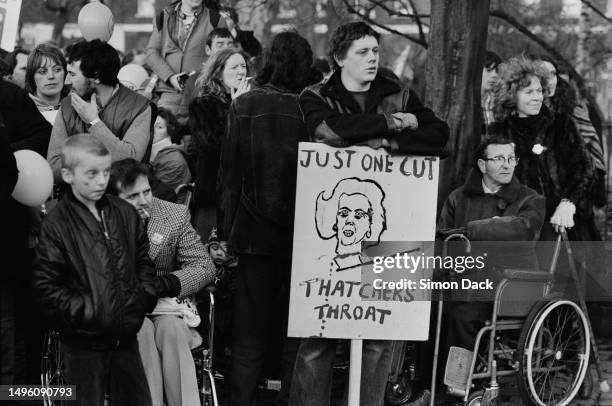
{"x": 353, "y": 205}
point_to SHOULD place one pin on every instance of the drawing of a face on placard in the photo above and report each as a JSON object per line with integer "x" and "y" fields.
{"x": 354, "y": 214}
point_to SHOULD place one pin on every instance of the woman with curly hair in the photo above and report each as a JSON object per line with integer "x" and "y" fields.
{"x": 564, "y": 98}
{"x": 223, "y": 78}
{"x": 553, "y": 158}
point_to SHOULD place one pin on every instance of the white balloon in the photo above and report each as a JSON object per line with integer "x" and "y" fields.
{"x": 96, "y": 22}
{"x": 35, "y": 179}
{"x": 132, "y": 76}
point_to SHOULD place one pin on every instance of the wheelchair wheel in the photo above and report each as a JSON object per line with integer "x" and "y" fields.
{"x": 208, "y": 391}
{"x": 400, "y": 392}
{"x": 475, "y": 399}
{"x": 553, "y": 353}
{"x": 52, "y": 368}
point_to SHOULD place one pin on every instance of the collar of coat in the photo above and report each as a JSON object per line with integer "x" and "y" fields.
{"x": 383, "y": 85}
{"x": 508, "y": 193}
{"x": 101, "y": 204}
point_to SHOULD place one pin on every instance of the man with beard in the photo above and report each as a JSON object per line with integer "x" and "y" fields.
{"x": 100, "y": 106}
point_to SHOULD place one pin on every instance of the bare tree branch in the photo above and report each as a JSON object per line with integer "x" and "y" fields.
{"x": 502, "y": 15}
{"x": 418, "y": 21}
{"x": 391, "y": 12}
{"x": 367, "y": 19}
{"x": 596, "y": 10}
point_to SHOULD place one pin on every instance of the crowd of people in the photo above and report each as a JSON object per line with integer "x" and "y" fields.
{"x": 118, "y": 264}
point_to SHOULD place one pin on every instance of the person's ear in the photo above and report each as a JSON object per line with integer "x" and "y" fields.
{"x": 67, "y": 175}
{"x": 482, "y": 165}
{"x": 207, "y": 50}
{"x": 335, "y": 227}
{"x": 339, "y": 62}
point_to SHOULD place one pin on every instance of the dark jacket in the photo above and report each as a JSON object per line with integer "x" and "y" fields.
{"x": 257, "y": 173}
{"x": 170, "y": 166}
{"x": 519, "y": 214}
{"x": 208, "y": 122}
{"x": 94, "y": 280}
{"x": 334, "y": 117}
{"x": 21, "y": 121}
{"x": 23, "y": 127}
{"x": 563, "y": 170}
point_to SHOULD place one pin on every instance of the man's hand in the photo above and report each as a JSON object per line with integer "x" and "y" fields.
{"x": 231, "y": 26}
{"x": 406, "y": 120}
{"x": 564, "y": 216}
{"x": 175, "y": 82}
{"x": 87, "y": 111}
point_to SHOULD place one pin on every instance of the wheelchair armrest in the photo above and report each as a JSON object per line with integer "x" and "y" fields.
{"x": 527, "y": 275}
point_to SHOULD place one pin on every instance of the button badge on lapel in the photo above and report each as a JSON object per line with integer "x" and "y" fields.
{"x": 157, "y": 238}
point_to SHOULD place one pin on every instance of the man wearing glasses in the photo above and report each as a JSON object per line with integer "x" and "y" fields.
{"x": 490, "y": 208}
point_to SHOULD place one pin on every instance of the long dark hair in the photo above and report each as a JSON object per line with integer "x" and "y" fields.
{"x": 287, "y": 62}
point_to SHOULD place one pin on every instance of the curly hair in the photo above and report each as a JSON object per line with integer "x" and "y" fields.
{"x": 287, "y": 62}
{"x": 344, "y": 36}
{"x": 327, "y": 207}
{"x": 564, "y": 99}
{"x": 210, "y": 80}
{"x": 514, "y": 74}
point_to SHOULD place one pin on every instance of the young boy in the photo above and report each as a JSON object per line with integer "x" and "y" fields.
{"x": 94, "y": 280}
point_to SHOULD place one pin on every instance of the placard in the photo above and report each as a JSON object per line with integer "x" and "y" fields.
{"x": 9, "y": 23}
{"x": 353, "y": 204}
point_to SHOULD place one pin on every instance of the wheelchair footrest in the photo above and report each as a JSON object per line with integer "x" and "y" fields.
{"x": 457, "y": 370}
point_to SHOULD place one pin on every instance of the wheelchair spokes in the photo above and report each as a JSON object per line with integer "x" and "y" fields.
{"x": 555, "y": 354}
{"x": 52, "y": 369}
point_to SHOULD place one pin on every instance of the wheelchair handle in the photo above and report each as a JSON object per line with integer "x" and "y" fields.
{"x": 468, "y": 244}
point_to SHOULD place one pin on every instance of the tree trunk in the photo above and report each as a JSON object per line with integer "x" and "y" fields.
{"x": 458, "y": 37}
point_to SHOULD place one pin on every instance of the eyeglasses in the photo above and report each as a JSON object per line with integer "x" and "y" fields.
{"x": 501, "y": 160}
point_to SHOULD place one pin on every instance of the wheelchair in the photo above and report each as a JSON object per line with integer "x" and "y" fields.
{"x": 544, "y": 340}
{"x": 52, "y": 367}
